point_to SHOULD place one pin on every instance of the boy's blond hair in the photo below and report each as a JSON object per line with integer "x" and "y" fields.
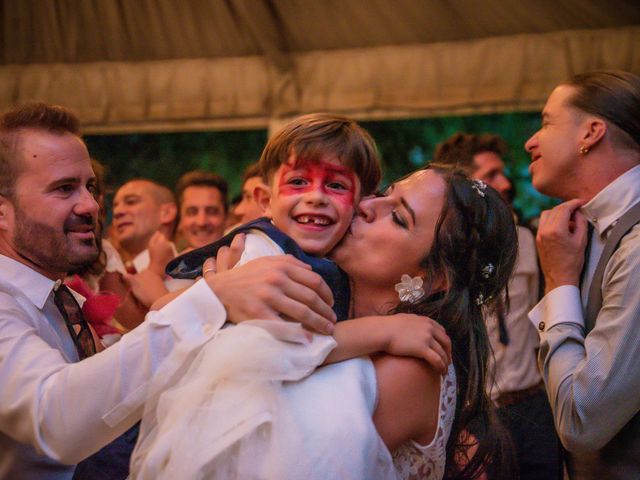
{"x": 312, "y": 136}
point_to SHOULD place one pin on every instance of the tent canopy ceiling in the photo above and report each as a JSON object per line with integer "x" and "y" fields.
{"x": 165, "y": 64}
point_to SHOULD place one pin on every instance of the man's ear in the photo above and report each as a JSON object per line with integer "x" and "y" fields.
{"x": 6, "y": 214}
{"x": 262, "y": 197}
{"x": 168, "y": 213}
{"x": 595, "y": 130}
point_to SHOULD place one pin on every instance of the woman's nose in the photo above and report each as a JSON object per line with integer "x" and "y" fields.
{"x": 366, "y": 208}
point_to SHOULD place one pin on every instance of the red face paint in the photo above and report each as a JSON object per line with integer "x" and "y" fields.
{"x": 336, "y": 181}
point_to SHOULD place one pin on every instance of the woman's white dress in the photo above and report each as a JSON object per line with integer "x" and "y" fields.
{"x": 247, "y": 407}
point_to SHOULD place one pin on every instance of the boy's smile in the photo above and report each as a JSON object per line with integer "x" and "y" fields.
{"x": 313, "y": 203}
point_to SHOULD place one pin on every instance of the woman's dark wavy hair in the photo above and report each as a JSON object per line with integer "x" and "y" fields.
{"x": 475, "y": 229}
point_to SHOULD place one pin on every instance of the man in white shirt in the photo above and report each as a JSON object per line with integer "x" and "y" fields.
{"x": 142, "y": 207}
{"x": 588, "y": 154}
{"x": 202, "y": 198}
{"x": 144, "y": 219}
{"x": 54, "y": 409}
{"x": 249, "y": 209}
{"x": 517, "y": 387}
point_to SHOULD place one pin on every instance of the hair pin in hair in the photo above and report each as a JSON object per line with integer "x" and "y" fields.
{"x": 479, "y": 186}
{"x": 410, "y": 289}
{"x": 487, "y": 270}
{"x": 481, "y": 300}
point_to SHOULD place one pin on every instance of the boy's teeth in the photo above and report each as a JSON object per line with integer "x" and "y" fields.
{"x": 315, "y": 220}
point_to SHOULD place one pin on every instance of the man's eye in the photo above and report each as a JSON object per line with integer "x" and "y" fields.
{"x": 66, "y": 188}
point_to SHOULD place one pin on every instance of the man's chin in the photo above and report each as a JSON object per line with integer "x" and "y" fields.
{"x": 84, "y": 255}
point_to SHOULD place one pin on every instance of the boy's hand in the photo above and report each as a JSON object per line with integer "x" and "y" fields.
{"x": 416, "y": 336}
{"x": 271, "y": 288}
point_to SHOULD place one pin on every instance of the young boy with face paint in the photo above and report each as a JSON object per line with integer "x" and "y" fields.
{"x": 317, "y": 169}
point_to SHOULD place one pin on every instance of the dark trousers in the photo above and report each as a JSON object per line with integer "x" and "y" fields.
{"x": 530, "y": 423}
{"x": 112, "y": 461}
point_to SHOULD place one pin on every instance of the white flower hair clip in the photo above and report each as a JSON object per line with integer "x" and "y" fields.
{"x": 410, "y": 289}
{"x": 479, "y": 186}
{"x": 487, "y": 270}
{"x": 481, "y": 300}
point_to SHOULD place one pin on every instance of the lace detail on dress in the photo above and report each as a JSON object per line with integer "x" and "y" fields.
{"x": 418, "y": 462}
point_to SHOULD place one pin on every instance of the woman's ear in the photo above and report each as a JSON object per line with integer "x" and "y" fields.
{"x": 439, "y": 281}
{"x": 262, "y": 197}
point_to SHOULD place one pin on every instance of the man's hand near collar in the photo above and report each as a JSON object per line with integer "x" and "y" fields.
{"x": 561, "y": 242}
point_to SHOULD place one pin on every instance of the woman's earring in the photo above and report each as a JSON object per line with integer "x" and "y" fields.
{"x": 410, "y": 289}
{"x": 584, "y": 150}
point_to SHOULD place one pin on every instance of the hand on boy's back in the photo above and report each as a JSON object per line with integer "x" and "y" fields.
{"x": 272, "y": 288}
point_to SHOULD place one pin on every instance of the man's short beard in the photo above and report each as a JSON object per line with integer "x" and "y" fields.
{"x": 47, "y": 247}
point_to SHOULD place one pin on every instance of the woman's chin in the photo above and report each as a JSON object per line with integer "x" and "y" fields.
{"x": 339, "y": 254}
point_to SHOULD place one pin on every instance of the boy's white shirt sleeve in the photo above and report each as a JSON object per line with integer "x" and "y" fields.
{"x": 258, "y": 244}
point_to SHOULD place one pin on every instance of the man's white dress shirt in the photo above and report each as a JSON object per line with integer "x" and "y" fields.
{"x": 55, "y": 410}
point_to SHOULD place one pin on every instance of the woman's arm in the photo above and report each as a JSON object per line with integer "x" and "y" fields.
{"x": 402, "y": 334}
{"x": 408, "y": 400}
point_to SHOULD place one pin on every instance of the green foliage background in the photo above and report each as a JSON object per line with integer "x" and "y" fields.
{"x": 404, "y": 145}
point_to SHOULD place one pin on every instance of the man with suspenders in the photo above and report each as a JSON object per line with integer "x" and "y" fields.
{"x": 587, "y": 153}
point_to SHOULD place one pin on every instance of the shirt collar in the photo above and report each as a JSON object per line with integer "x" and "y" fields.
{"x": 614, "y": 200}
{"x": 35, "y": 286}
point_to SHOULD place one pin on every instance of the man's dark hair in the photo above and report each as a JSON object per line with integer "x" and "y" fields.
{"x": 200, "y": 178}
{"x": 613, "y": 96}
{"x": 33, "y": 115}
{"x": 459, "y": 149}
{"x": 253, "y": 170}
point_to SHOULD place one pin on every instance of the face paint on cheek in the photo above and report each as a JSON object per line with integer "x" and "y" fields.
{"x": 317, "y": 176}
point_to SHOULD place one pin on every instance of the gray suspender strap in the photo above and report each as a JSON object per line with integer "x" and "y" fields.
{"x": 620, "y": 229}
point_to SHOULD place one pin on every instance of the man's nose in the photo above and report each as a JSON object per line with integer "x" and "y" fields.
{"x": 504, "y": 184}
{"x": 531, "y": 143}
{"x": 201, "y": 218}
{"x": 87, "y": 204}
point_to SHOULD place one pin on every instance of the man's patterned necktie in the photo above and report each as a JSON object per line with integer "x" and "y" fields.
{"x": 77, "y": 325}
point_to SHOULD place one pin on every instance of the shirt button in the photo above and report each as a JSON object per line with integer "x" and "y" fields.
{"x": 541, "y": 326}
